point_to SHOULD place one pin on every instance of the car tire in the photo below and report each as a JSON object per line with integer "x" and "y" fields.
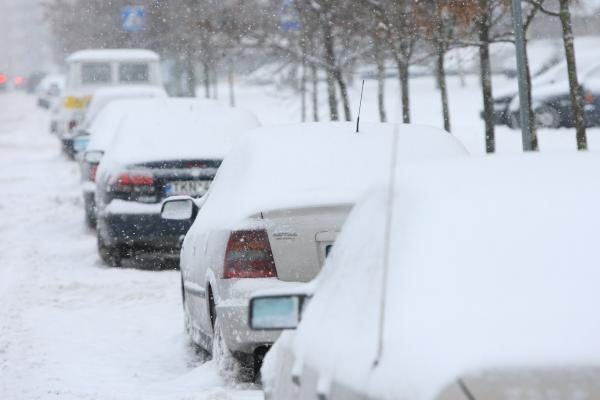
{"x": 229, "y": 366}
{"x": 108, "y": 254}
{"x": 547, "y": 117}
{"x": 90, "y": 218}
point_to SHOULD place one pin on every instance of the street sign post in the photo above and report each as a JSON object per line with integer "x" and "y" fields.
{"x": 522, "y": 75}
{"x": 133, "y": 18}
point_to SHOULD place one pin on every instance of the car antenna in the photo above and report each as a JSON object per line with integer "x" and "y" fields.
{"x": 387, "y": 235}
{"x": 362, "y": 88}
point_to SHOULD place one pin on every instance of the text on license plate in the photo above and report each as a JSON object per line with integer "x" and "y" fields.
{"x": 190, "y": 188}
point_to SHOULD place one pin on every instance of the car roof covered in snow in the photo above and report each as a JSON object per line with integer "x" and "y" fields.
{"x": 178, "y": 129}
{"x": 113, "y": 55}
{"x": 104, "y": 96}
{"x": 313, "y": 164}
{"x": 493, "y": 265}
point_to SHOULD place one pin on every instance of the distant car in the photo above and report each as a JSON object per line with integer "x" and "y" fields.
{"x": 3, "y": 82}
{"x": 90, "y": 70}
{"x": 552, "y": 105}
{"x": 100, "y": 131}
{"x": 101, "y": 98}
{"x": 163, "y": 147}
{"x": 49, "y": 90}
{"x": 484, "y": 290}
{"x": 272, "y": 216}
{"x": 558, "y": 73}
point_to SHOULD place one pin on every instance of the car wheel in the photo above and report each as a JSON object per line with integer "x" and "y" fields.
{"x": 90, "y": 218}
{"x": 108, "y": 254}
{"x": 514, "y": 121}
{"x": 547, "y": 117}
{"x": 229, "y": 366}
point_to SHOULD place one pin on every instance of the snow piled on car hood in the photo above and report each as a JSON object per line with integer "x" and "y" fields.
{"x": 313, "y": 164}
{"x": 178, "y": 129}
{"x": 494, "y": 264}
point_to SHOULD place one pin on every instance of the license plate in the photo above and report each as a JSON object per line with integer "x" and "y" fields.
{"x": 189, "y": 188}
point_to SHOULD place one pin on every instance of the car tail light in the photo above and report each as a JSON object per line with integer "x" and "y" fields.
{"x": 589, "y": 98}
{"x": 2, "y": 79}
{"x": 92, "y": 173}
{"x": 249, "y": 255}
{"x": 136, "y": 186}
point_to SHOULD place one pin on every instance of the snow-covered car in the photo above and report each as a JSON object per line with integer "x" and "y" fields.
{"x": 90, "y": 70}
{"x": 103, "y": 97}
{"x": 271, "y": 217}
{"x": 552, "y": 106}
{"x": 49, "y": 90}
{"x": 101, "y": 133}
{"x": 506, "y": 101}
{"x": 163, "y": 147}
{"x": 476, "y": 280}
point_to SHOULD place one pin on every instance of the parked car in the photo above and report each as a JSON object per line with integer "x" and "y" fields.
{"x": 558, "y": 73}
{"x": 476, "y": 280}
{"x": 90, "y": 70}
{"x": 272, "y": 216}
{"x": 552, "y": 105}
{"x": 101, "y": 133}
{"x": 49, "y": 90}
{"x": 101, "y": 98}
{"x": 163, "y": 147}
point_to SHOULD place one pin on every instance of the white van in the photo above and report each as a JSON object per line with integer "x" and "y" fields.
{"x": 90, "y": 70}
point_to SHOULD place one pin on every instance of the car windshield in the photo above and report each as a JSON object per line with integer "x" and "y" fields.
{"x": 133, "y": 73}
{"x": 95, "y": 73}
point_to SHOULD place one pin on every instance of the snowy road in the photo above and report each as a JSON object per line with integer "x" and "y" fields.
{"x": 71, "y": 328}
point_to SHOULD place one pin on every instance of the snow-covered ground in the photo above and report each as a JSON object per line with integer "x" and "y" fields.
{"x": 70, "y": 327}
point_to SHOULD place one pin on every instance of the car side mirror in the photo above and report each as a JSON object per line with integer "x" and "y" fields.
{"x": 276, "y": 312}
{"x": 179, "y": 208}
{"x": 93, "y": 157}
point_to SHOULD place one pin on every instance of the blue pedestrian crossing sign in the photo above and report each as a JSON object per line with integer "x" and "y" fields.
{"x": 132, "y": 18}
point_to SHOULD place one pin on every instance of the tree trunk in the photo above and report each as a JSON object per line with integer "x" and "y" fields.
{"x": 486, "y": 76}
{"x": 339, "y": 77}
{"x": 330, "y": 61}
{"x": 190, "y": 74}
{"x": 405, "y": 91}
{"x": 380, "y": 61}
{"x": 231, "y": 83}
{"x": 441, "y": 79}
{"x": 574, "y": 89}
{"x": 532, "y": 119}
{"x": 315, "y": 91}
{"x": 303, "y": 86}
{"x": 215, "y": 84}
{"x": 206, "y": 80}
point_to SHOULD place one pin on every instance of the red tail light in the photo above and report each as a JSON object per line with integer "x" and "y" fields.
{"x": 589, "y": 98}
{"x": 93, "y": 170}
{"x": 249, "y": 255}
{"x": 2, "y": 79}
{"x": 129, "y": 182}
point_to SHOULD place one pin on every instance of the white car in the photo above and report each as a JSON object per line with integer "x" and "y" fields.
{"x": 163, "y": 147}
{"x": 90, "y": 70}
{"x": 477, "y": 280}
{"x": 272, "y": 216}
{"x": 103, "y": 118}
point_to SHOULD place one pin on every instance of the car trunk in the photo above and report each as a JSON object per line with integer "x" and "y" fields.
{"x": 183, "y": 177}
{"x": 301, "y": 238}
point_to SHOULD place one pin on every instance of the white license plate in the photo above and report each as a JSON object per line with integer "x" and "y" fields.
{"x": 189, "y": 188}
